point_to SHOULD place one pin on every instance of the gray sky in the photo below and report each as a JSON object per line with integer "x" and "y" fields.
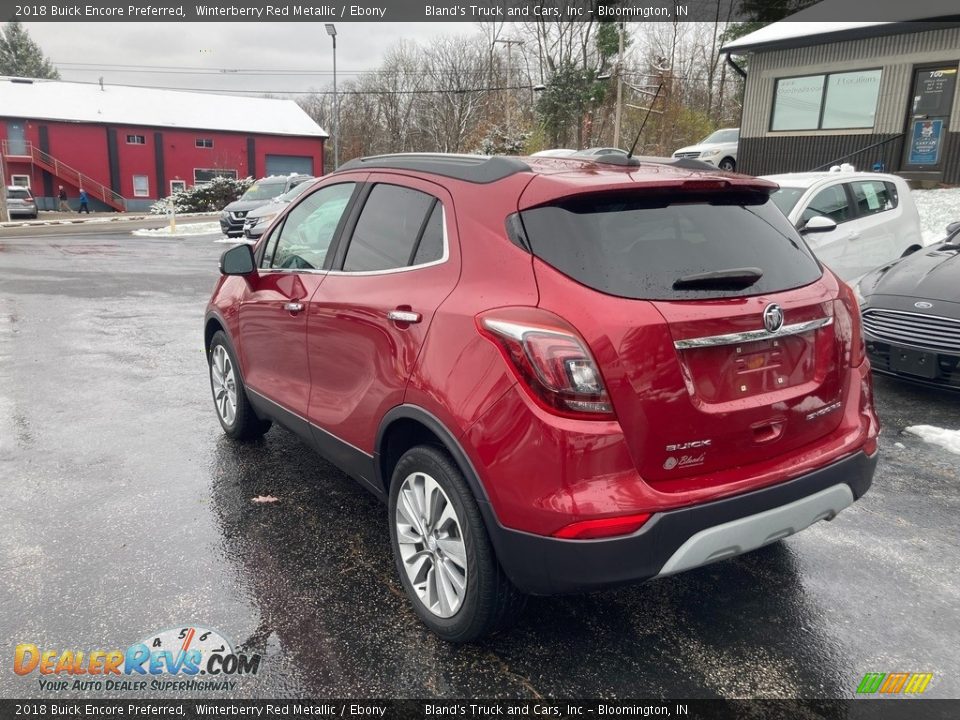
{"x": 302, "y": 46}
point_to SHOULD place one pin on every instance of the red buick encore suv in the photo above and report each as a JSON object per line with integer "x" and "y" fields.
{"x": 559, "y": 374}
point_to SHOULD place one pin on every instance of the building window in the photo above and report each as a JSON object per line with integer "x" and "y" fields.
{"x": 20, "y": 180}
{"x": 205, "y": 142}
{"x": 835, "y": 101}
{"x": 136, "y": 140}
{"x": 141, "y": 186}
{"x": 177, "y": 186}
{"x": 202, "y": 176}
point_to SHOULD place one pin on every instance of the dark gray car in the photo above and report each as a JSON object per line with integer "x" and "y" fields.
{"x": 257, "y": 195}
{"x": 911, "y": 314}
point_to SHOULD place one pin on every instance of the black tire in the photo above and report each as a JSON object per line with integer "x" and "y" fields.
{"x": 245, "y": 424}
{"x": 490, "y": 602}
{"x": 728, "y": 164}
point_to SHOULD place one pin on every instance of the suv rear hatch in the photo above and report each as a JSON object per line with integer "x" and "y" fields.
{"x": 672, "y": 284}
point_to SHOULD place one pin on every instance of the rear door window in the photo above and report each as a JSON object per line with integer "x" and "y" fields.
{"x": 873, "y": 196}
{"x": 390, "y": 228}
{"x": 638, "y": 246}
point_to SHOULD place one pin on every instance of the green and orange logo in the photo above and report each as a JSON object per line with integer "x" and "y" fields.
{"x": 894, "y": 683}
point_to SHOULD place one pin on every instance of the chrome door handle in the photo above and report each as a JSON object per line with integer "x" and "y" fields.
{"x": 293, "y": 307}
{"x": 404, "y": 316}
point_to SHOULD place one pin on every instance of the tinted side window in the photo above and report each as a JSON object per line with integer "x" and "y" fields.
{"x": 303, "y": 240}
{"x": 830, "y": 202}
{"x": 431, "y": 243}
{"x": 873, "y": 196}
{"x": 388, "y": 228}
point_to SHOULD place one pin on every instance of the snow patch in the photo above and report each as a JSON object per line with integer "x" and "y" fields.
{"x": 190, "y": 230}
{"x": 938, "y": 208}
{"x": 947, "y": 439}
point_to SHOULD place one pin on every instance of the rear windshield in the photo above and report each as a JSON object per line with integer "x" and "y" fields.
{"x": 18, "y": 194}
{"x": 639, "y": 246}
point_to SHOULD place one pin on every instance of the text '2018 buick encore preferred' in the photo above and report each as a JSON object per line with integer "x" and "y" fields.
{"x": 560, "y": 374}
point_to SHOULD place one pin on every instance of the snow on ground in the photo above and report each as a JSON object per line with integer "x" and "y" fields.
{"x": 937, "y": 208}
{"x": 949, "y": 439}
{"x": 187, "y": 230}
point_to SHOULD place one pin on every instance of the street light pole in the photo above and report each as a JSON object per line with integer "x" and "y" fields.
{"x": 332, "y": 32}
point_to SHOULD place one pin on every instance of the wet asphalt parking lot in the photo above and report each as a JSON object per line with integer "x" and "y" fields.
{"x": 127, "y": 512}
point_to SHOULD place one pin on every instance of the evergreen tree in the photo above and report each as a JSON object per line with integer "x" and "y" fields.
{"x": 21, "y": 56}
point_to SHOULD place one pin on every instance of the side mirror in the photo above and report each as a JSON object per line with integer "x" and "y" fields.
{"x": 237, "y": 261}
{"x": 953, "y": 227}
{"x": 818, "y": 224}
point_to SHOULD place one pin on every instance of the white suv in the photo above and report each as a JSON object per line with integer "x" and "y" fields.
{"x": 719, "y": 149}
{"x": 876, "y": 218}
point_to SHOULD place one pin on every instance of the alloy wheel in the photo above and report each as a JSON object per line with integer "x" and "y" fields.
{"x": 432, "y": 548}
{"x": 224, "y": 382}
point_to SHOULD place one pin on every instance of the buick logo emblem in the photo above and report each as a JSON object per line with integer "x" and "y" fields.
{"x": 923, "y": 305}
{"x": 772, "y": 317}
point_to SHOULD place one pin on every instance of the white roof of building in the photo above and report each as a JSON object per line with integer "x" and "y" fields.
{"x": 831, "y": 20}
{"x": 789, "y": 30}
{"x": 151, "y": 107}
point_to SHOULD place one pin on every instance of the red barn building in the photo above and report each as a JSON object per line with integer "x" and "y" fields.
{"x": 128, "y": 146}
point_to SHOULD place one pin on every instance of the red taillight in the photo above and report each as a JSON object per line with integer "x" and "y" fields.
{"x": 602, "y": 527}
{"x": 551, "y": 360}
{"x": 849, "y": 307}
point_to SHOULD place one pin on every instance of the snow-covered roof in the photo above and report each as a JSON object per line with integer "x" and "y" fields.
{"x": 785, "y": 30}
{"x": 151, "y": 107}
{"x": 831, "y": 20}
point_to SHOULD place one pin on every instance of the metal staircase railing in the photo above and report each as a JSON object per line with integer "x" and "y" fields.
{"x": 45, "y": 161}
{"x": 881, "y": 156}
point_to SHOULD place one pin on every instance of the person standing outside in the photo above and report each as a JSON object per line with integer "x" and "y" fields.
{"x": 84, "y": 200}
{"x": 64, "y": 207}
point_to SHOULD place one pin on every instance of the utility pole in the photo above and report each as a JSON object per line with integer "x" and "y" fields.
{"x": 509, "y": 44}
{"x": 616, "y": 121}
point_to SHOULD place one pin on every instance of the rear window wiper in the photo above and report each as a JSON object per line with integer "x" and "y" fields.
{"x": 731, "y": 278}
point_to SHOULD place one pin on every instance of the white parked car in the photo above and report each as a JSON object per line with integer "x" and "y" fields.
{"x": 719, "y": 149}
{"x": 874, "y": 217}
{"x": 555, "y": 152}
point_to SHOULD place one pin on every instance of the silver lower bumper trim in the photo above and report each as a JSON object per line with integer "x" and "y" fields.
{"x": 740, "y": 536}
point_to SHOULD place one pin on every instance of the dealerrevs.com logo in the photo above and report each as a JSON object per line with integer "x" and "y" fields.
{"x": 197, "y": 659}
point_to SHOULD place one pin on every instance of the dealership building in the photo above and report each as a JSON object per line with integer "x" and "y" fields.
{"x": 129, "y": 146}
{"x": 877, "y": 95}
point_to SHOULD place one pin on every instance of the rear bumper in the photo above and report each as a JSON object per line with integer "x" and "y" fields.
{"x": 677, "y": 540}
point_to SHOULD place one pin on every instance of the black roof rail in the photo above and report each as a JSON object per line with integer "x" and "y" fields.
{"x": 479, "y": 169}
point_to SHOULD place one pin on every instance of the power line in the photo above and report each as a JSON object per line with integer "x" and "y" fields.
{"x": 274, "y": 91}
{"x": 188, "y": 70}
